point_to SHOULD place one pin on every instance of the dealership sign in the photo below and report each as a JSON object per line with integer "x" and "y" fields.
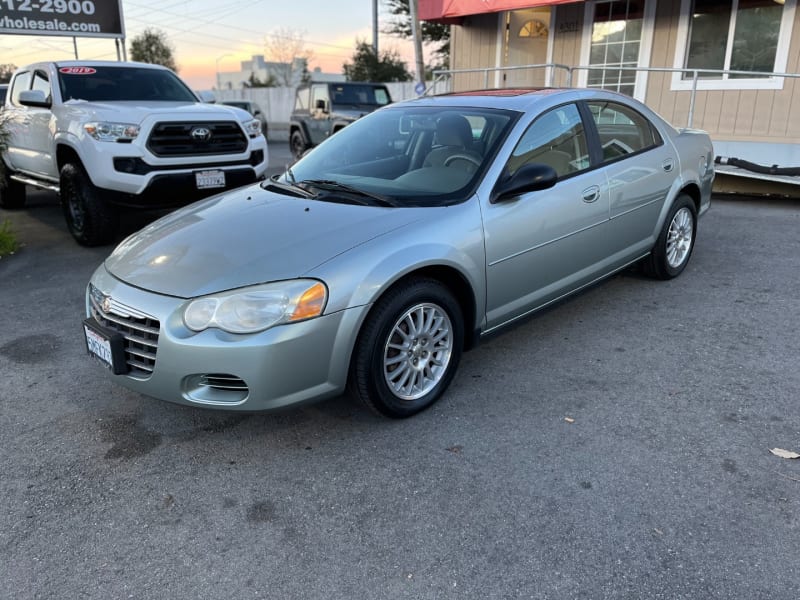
{"x": 74, "y": 18}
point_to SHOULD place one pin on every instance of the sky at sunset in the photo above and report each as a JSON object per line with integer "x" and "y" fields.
{"x": 207, "y": 33}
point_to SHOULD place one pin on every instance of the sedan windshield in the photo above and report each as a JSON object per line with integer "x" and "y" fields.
{"x": 110, "y": 84}
{"x": 408, "y": 155}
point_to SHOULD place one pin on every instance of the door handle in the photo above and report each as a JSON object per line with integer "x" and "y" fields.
{"x": 668, "y": 165}
{"x": 591, "y": 194}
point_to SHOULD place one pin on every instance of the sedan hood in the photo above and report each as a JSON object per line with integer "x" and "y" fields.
{"x": 243, "y": 238}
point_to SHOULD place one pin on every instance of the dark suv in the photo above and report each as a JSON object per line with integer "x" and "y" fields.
{"x": 253, "y": 109}
{"x": 322, "y": 109}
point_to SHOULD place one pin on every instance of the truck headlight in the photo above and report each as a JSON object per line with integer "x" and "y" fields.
{"x": 253, "y": 128}
{"x": 254, "y": 309}
{"x": 112, "y": 132}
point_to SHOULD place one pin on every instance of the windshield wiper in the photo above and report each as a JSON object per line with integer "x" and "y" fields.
{"x": 330, "y": 185}
{"x": 293, "y": 189}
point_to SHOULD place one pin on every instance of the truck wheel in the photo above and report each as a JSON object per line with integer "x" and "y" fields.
{"x": 90, "y": 220}
{"x": 297, "y": 144}
{"x": 12, "y": 193}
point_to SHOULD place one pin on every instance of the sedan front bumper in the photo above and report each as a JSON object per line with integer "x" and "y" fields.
{"x": 282, "y": 366}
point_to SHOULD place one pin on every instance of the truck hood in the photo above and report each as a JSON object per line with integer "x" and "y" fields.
{"x": 137, "y": 111}
{"x": 246, "y": 237}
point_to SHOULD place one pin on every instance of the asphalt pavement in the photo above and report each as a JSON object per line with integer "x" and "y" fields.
{"x": 615, "y": 446}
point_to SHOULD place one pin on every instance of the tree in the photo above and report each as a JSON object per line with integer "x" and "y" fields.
{"x": 432, "y": 33}
{"x": 254, "y": 82}
{"x": 153, "y": 47}
{"x": 366, "y": 66}
{"x": 288, "y": 48}
{"x": 6, "y": 71}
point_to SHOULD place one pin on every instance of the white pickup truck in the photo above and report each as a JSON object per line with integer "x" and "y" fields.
{"x": 107, "y": 135}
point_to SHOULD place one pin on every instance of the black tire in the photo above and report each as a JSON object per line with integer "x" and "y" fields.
{"x": 431, "y": 357}
{"x": 297, "y": 144}
{"x": 12, "y": 193}
{"x": 90, "y": 220}
{"x": 675, "y": 243}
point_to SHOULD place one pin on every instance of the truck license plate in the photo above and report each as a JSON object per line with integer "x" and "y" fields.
{"x": 209, "y": 179}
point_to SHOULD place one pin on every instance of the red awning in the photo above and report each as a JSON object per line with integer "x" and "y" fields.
{"x": 451, "y": 10}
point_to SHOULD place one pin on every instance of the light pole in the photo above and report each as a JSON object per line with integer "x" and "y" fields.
{"x": 416, "y": 34}
{"x": 219, "y": 58}
{"x": 375, "y": 27}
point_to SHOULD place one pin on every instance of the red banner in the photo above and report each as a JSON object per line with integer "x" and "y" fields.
{"x": 438, "y": 10}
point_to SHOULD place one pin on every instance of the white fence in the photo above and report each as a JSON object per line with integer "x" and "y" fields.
{"x": 277, "y": 103}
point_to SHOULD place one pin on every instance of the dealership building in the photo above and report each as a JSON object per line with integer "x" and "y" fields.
{"x": 731, "y": 67}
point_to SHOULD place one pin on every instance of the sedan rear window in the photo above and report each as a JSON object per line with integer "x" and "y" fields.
{"x": 622, "y": 130}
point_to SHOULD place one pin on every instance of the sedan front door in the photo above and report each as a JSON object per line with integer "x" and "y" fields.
{"x": 544, "y": 244}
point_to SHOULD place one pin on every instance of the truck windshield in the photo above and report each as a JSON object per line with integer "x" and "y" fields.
{"x": 105, "y": 84}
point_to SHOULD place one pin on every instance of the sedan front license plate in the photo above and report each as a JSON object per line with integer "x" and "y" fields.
{"x": 209, "y": 179}
{"x": 106, "y": 346}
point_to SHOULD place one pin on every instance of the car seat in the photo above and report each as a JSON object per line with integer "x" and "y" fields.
{"x": 453, "y": 138}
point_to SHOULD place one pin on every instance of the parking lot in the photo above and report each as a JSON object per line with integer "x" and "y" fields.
{"x": 615, "y": 446}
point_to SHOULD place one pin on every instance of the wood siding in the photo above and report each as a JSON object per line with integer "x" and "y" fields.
{"x": 731, "y": 115}
{"x": 474, "y": 45}
{"x": 567, "y": 29}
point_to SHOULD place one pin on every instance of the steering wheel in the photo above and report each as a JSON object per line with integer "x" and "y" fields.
{"x": 466, "y": 157}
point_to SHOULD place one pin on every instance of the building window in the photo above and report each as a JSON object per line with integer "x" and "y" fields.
{"x": 617, "y": 38}
{"x": 736, "y": 35}
{"x": 532, "y": 28}
{"x": 615, "y": 42}
{"x": 733, "y": 35}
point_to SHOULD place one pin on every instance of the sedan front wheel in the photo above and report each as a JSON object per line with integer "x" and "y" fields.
{"x": 408, "y": 350}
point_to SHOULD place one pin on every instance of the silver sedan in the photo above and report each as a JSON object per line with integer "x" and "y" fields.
{"x": 384, "y": 253}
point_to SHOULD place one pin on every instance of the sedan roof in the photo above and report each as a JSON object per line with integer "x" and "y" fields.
{"x": 520, "y": 99}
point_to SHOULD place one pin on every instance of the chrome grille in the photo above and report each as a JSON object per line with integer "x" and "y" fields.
{"x": 176, "y": 139}
{"x": 139, "y": 330}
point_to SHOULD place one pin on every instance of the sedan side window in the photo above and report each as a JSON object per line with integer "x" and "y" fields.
{"x": 556, "y": 139}
{"x": 622, "y": 130}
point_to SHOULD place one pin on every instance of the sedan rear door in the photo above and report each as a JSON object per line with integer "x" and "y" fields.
{"x": 640, "y": 168}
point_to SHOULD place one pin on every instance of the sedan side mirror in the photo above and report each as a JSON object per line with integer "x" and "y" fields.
{"x": 34, "y": 98}
{"x": 531, "y": 177}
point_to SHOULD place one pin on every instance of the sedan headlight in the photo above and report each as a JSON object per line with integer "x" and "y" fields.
{"x": 112, "y": 132}
{"x": 253, "y": 128}
{"x": 257, "y": 308}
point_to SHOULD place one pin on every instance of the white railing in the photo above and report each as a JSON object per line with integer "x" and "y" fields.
{"x": 444, "y": 77}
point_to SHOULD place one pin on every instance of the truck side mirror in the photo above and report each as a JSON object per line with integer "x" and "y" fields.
{"x": 34, "y": 98}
